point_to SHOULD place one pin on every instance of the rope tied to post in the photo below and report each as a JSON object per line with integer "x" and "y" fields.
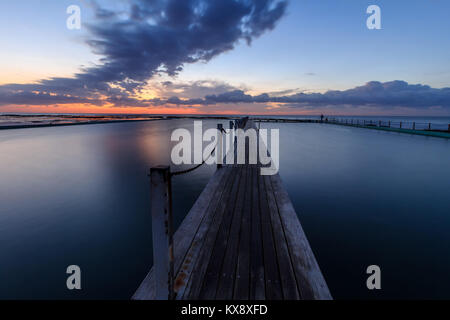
{"x": 178, "y": 173}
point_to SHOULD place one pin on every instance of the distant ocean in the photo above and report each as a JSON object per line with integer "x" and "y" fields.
{"x": 8, "y": 119}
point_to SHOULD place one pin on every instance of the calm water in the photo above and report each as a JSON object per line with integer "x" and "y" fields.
{"x": 79, "y": 195}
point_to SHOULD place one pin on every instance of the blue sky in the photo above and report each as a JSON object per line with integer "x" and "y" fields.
{"x": 315, "y": 46}
{"x": 330, "y": 39}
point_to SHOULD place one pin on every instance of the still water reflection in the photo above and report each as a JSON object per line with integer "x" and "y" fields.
{"x": 79, "y": 195}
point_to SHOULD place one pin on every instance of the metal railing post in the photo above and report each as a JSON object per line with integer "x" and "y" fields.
{"x": 162, "y": 232}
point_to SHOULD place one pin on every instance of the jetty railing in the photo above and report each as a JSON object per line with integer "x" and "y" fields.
{"x": 407, "y": 125}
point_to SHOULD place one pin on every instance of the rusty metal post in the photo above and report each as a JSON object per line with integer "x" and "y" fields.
{"x": 219, "y": 146}
{"x": 162, "y": 231}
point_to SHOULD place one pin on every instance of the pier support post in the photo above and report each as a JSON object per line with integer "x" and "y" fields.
{"x": 400, "y": 124}
{"x": 429, "y": 126}
{"x": 162, "y": 232}
{"x": 414, "y": 126}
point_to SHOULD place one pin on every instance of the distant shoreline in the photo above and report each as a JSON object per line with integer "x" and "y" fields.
{"x": 86, "y": 120}
{"x": 51, "y": 121}
{"x": 47, "y": 125}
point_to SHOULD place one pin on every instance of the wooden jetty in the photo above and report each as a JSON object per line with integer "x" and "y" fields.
{"x": 241, "y": 240}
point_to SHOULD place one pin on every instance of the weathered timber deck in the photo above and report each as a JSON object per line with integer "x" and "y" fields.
{"x": 242, "y": 240}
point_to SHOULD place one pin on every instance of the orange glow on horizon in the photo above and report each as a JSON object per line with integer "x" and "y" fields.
{"x": 234, "y": 109}
{"x": 91, "y": 109}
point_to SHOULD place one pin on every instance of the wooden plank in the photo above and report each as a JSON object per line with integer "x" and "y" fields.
{"x": 271, "y": 272}
{"x": 289, "y": 288}
{"x": 309, "y": 278}
{"x": 185, "y": 274}
{"x": 257, "y": 289}
{"x": 288, "y": 282}
{"x": 211, "y": 280}
{"x": 186, "y": 232}
{"x": 242, "y": 282}
{"x": 228, "y": 273}
{"x": 146, "y": 290}
{"x": 195, "y": 283}
{"x": 187, "y": 268}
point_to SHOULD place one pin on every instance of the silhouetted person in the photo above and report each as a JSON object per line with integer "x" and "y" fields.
{"x": 321, "y": 118}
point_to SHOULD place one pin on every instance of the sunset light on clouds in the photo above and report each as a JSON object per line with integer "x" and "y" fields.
{"x": 224, "y": 57}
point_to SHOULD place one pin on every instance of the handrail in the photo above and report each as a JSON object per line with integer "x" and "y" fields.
{"x": 409, "y": 125}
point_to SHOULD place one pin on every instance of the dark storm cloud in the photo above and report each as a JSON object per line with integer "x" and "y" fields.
{"x": 24, "y": 97}
{"x": 379, "y": 94}
{"x": 162, "y": 36}
{"x": 152, "y": 37}
{"x": 383, "y": 94}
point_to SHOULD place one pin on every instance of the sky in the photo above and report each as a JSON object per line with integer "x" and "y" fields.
{"x": 225, "y": 56}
